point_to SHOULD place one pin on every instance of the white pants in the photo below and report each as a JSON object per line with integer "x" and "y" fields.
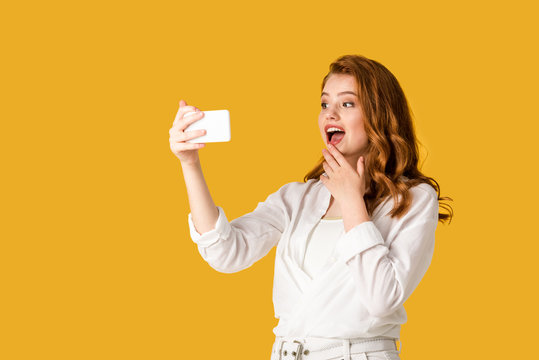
{"x": 378, "y": 348}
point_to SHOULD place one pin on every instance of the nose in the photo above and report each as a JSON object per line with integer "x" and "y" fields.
{"x": 331, "y": 114}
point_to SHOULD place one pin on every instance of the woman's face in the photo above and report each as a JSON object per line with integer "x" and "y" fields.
{"x": 340, "y": 107}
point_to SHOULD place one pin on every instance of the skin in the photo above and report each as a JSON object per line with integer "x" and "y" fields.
{"x": 344, "y": 163}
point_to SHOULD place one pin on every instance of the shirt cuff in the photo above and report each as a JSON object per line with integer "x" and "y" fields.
{"x": 358, "y": 239}
{"x": 221, "y": 230}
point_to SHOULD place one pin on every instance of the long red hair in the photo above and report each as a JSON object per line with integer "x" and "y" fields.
{"x": 393, "y": 150}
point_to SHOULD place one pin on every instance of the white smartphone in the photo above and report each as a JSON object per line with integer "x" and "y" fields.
{"x": 217, "y": 126}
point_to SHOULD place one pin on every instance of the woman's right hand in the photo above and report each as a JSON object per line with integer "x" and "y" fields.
{"x": 186, "y": 152}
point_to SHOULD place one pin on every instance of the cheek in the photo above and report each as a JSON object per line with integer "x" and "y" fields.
{"x": 359, "y": 128}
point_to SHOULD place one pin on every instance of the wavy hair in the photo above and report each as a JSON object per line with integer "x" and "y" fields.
{"x": 392, "y": 153}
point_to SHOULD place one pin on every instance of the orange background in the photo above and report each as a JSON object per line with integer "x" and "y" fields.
{"x": 96, "y": 261}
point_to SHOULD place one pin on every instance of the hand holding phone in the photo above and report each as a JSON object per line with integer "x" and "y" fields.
{"x": 217, "y": 126}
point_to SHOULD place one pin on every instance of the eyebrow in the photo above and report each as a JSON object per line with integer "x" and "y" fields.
{"x": 341, "y": 93}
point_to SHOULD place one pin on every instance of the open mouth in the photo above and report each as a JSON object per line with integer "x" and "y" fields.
{"x": 335, "y": 137}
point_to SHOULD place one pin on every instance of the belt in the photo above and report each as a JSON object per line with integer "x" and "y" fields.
{"x": 312, "y": 348}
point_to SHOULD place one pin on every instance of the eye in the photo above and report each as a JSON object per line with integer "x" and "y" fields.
{"x": 349, "y": 102}
{"x": 323, "y": 107}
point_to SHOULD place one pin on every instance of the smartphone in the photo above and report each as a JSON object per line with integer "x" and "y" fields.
{"x": 217, "y": 126}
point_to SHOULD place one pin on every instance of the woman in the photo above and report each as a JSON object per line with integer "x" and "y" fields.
{"x": 353, "y": 239}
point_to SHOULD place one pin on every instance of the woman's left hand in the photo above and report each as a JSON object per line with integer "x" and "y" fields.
{"x": 343, "y": 181}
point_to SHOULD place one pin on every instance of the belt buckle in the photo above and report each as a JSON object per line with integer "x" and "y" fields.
{"x": 299, "y": 350}
{"x": 296, "y": 352}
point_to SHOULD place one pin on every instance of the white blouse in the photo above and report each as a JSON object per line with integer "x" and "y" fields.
{"x": 361, "y": 291}
{"x": 321, "y": 245}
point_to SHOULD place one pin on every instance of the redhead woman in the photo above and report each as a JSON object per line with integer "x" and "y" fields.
{"x": 353, "y": 239}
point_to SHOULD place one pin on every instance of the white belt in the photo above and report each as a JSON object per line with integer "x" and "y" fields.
{"x": 312, "y": 348}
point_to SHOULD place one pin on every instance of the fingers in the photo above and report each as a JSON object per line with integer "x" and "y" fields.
{"x": 327, "y": 168}
{"x": 184, "y": 121}
{"x": 182, "y": 104}
{"x": 330, "y": 159}
{"x": 187, "y": 135}
{"x": 189, "y": 119}
{"x": 184, "y": 108}
{"x": 361, "y": 165}
{"x": 181, "y": 146}
{"x": 182, "y": 111}
{"x": 337, "y": 155}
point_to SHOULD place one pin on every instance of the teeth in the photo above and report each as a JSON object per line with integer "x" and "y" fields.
{"x": 332, "y": 129}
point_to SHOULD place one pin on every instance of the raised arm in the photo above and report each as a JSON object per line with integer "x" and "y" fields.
{"x": 236, "y": 245}
{"x": 227, "y": 247}
{"x": 204, "y": 211}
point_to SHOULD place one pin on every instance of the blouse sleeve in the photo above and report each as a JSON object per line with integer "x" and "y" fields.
{"x": 236, "y": 245}
{"x": 386, "y": 272}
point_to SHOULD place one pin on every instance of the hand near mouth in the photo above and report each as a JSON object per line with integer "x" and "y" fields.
{"x": 343, "y": 181}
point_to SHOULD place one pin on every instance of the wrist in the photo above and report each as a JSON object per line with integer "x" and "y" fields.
{"x": 190, "y": 165}
{"x": 355, "y": 209}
